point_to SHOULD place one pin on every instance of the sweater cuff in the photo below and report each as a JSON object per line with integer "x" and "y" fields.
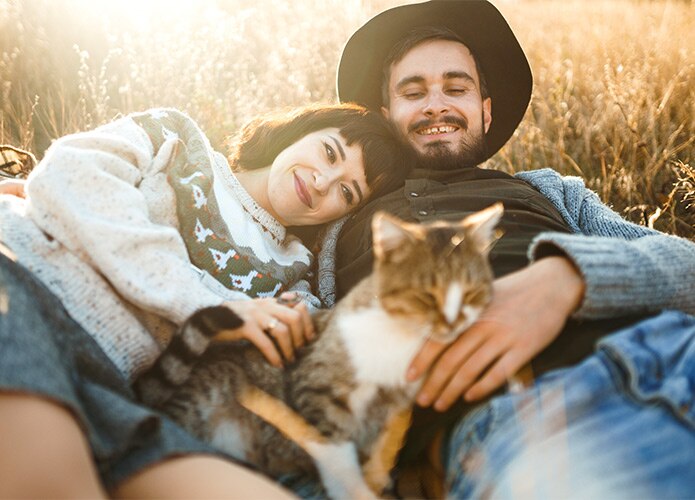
{"x": 613, "y": 285}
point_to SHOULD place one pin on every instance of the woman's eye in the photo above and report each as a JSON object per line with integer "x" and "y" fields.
{"x": 347, "y": 194}
{"x": 330, "y": 152}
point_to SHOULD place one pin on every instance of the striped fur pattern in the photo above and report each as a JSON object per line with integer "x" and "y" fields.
{"x": 326, "y": 414}
{"x": 175, "y": 364}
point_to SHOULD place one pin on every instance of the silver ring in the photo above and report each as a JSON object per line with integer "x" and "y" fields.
{"x": 273, "y": 323}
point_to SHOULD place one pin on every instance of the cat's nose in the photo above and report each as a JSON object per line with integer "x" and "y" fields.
{"x": 451, "y": 308}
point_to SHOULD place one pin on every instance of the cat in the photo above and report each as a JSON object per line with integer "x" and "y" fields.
{"x": 330, "y": 410}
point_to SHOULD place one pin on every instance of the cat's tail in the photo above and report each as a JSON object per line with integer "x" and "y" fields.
{"x": 173, "y": 367}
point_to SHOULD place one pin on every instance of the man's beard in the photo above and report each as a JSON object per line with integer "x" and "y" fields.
{"x": 471, "y": 151}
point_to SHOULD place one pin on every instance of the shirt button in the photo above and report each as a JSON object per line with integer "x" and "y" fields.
{"x": 423, "y": 212}
{"x": 414, "y": 194}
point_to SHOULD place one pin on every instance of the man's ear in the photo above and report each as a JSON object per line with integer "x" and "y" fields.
{"x": 385, "y": 112}
{"x": 487, "y": 113}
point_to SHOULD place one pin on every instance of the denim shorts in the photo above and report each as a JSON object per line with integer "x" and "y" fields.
{"x": 619, "y": 425}
{"x": 45, "y": 353}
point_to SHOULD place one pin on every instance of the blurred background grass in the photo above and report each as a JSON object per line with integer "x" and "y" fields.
{"x": 614, "y": 96}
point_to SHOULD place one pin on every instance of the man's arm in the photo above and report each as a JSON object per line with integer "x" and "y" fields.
{"x": 627, "y": 268}
{"x": 612, "y": 268}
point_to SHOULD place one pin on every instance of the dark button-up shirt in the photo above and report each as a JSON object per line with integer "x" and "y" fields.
{"x": 451, "y": 195}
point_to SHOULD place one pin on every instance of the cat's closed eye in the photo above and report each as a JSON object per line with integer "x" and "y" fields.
{"x": 476, "y": 296}
{"x": 424, "y": 299}
{"x": 409, "y": 302}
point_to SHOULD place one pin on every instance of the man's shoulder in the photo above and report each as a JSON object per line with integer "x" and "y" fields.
{"x": 548, "y": 180}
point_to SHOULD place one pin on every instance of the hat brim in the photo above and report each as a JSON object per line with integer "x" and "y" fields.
{"x": 477, "y": 23}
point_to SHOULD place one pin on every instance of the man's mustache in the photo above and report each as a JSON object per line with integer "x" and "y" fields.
{"x": 460, "y": 122}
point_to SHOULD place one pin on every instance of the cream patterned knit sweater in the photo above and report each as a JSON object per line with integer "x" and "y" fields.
{"x": 100, "y": 228}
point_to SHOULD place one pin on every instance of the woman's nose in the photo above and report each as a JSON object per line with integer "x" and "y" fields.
{"x": 324, "y": 179}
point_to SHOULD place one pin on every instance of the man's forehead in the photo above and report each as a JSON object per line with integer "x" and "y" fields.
{"x": 437, "y": 57}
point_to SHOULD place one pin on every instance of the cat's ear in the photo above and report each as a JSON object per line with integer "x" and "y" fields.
{"x": 389, "y": 234}
{"x": 480, "y": 227}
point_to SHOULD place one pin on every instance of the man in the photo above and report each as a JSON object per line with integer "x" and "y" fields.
{"x": 454, "y": 82}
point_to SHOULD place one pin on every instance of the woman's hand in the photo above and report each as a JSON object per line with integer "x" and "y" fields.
{"x": 14, "y": 187}
{"x": 272, "y": 324}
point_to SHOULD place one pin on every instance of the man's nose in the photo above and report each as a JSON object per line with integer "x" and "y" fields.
{"x": 435, "y": 104}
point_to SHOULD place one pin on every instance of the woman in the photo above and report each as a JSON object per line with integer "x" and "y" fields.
{"x": 130, "y": 229}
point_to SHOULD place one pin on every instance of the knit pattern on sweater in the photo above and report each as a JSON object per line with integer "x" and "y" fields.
{"x": 211, "y": 246}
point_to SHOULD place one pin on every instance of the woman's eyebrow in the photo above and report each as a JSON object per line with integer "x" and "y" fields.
{"x": 339, "y": 146}
{"x": 359, "y": 191}
{"x": 342, "y": 155}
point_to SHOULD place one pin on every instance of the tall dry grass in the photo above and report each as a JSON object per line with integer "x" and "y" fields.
{"x": 613, "y": 100}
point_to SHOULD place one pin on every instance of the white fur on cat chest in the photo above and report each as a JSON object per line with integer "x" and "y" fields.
{"x": 380, "y": 346}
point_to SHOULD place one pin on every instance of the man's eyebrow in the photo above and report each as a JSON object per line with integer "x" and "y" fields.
{"x": 408, "y": 80}
{"x": 339, "y": 146}
{"x": 359, "y": 191}
{"x": 450, "y": 75}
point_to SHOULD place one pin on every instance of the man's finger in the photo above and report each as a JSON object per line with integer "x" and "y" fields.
{"x": 452, "y": 391}
{"x": 422, "y": 361}
{"x": 450, "y": 375}
{"x": 468, "y": 374}
{"x": 498, "y": 375}
{"x": 476, "y": 364}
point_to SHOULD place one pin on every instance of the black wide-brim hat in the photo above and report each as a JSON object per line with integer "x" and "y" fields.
{"x": 477, "y": 23}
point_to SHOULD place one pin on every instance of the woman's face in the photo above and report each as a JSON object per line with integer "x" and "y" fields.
{"x": 317, "y": 179}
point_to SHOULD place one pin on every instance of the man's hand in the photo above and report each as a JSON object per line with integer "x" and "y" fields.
{"x": 528, "y": 310}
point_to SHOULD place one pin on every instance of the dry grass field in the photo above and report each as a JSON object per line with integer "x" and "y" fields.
{"x": 614, "y": 97}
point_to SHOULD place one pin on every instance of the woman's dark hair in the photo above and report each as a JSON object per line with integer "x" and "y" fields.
{"x": 386, "y": 160}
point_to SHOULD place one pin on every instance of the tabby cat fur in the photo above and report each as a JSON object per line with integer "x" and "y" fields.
{"x": 330, "y": 408}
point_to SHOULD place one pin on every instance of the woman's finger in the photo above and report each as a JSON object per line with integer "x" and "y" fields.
{"x": 309, "y": 331}
{"x": 263, "y": 343}
{"x": 294, "y": 301}
{"x": 280, "y": 332}
{"x": 293, "y": 320}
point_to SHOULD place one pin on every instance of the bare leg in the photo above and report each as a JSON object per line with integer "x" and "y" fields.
{"x": 199, "y": 476}
{"x": 43, "y": 453}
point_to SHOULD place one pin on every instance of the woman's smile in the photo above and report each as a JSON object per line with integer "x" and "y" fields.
{"x": 302, "y": 191}
{"x": 315, "y": 180}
